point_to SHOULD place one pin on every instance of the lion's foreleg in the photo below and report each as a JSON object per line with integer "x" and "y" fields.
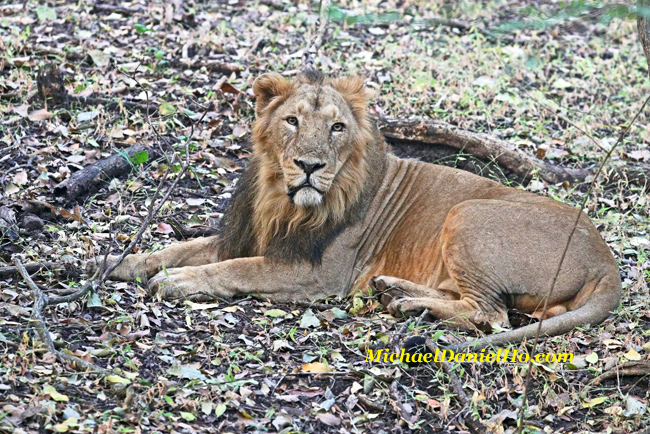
{"x": 200, "y": 251}
{"x": 246, "y": 276}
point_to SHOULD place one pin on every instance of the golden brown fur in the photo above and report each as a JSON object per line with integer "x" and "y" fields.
{"x": 323, "y": 209}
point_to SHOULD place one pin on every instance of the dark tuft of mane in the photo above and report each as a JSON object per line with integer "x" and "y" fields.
{"x": 312, "y": 75}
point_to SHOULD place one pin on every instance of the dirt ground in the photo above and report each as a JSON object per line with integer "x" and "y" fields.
{"x": 558, "y": 79}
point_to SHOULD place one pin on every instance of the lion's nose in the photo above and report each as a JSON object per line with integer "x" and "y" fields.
{"x": 309, "y": 167}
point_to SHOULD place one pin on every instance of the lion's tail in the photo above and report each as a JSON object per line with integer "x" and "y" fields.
{"x": 605, "y": 299}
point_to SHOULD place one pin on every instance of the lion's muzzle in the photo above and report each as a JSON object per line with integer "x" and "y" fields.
{"x": 309, "y": 188}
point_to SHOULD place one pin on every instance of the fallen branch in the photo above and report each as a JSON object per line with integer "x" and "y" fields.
{"x": 90, "y": 178}
{"x": 489, "y": 148}
{"x": 32, "y": 268}
{"x": 640, "y": 368}
{"x": 122, "y": 10}
{"x": 110, "y": 103}
{"x": 210, "y": 65}
{"x": 40, "y": 301}
{"x": 9, "y": 96}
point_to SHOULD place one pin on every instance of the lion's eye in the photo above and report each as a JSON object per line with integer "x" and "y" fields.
{"x": 292, "y": 120}
{"x": 338, "y": 127}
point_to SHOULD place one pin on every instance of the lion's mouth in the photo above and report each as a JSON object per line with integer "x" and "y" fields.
{"x": 293, "y": 190}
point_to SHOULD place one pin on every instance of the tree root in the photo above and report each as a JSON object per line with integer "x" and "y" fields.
{"x": 629, "y": 369}
{"x": 502, "y": 153}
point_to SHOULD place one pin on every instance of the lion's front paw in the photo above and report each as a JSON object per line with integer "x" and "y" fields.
{"x": 93, "y": 264}
{"x": 406, "y": 307}
{"x": 180, "y": 283}
{"x": 387, "y": 288}
{"x": 384, "y": 283}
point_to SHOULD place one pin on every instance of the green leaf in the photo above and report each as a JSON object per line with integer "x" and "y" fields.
{"x": 140, "y": 157}
{"x": 188, "y": 416}
{"x": 357, "y": 306}
{"x": 94, "y": 300}
{"x": 592, "y": 358}
{"x": 220, "y": 409}
{"x": 339, "y": 313}
{"x": 594, "y": 402}
{"x": 49, "y": 390}
{"x": 274, "y": 313}
{"x": 309, "y": 320}
{"x": 437, "y": 335}
{"x": 45, "y": 13}
{"x": 188, "y": 372}
{"x": 117, "y": 379}
{"x": 166, "y": 109}
{"x": 141, "y": 28}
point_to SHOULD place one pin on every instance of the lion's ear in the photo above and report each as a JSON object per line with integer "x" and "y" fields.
{"x": 266, "y": 87}
{"x": 355, "y": 93}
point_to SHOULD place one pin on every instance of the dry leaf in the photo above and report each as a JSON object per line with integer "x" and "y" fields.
{"x": 316, "y": 367}
{"x": 40, "y": 115}
{"x": 328, "y": 419}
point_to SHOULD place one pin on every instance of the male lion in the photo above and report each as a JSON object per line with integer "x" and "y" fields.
{"x": 324, "y": 209}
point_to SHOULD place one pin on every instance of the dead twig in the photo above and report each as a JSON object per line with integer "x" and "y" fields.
{"x": 16, "y": 167}
{"x": 311, "y": 51}
{"x": 644, "y": 38}
{"x": 154, "y": 210}
{"x": 564, "y": 252}
{"x": 181, "y": 232}
{"x": 473, "y": 425}
{"x": 41, "y": 300}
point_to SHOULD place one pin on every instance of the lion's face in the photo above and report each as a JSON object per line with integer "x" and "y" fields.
{"x": 314, "y": 128}
{"x": 310, "y": 133}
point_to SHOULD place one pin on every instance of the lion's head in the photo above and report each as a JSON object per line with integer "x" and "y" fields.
{"x": 312, "y": 143}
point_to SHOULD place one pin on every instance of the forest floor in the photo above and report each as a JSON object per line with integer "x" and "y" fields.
{"x": 557, "y": 86}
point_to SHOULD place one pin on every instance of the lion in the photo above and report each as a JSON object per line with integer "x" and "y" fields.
{"x": 324, "y": 209}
